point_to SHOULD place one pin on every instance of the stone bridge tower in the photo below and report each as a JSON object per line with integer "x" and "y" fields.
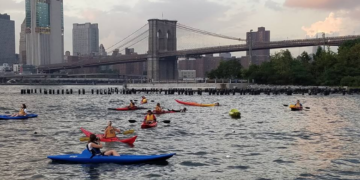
{"x": 162, "y": 37}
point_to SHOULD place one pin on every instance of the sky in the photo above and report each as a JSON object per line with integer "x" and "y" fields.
{"x": 286, "y": 19}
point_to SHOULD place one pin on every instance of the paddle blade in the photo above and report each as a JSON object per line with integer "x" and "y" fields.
{"x": 166, "y": 121}
{"x": 286, "y": 105}
{"x": 128, "y": 132}
{"x": 132, "y": 121}
{"x": 307, "y": 107}
{"x": 84, "y": 139}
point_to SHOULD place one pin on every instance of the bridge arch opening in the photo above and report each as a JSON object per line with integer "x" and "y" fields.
{"x": 158, "y": 35}
{"x": 168, "y": 40}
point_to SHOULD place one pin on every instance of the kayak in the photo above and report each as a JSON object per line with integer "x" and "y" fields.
{"x": 235, "y": 113}
{"x": 85, "y": 157}
{"x": 294, "y": 108}
{"x": 194, "y": 104}
{"x": 115, "y": 139}
{"x": 163, "y": 112}
{"x": 126, "y": 108}
{"x": 144, "y": 125}
{"x": 8, "y": 117}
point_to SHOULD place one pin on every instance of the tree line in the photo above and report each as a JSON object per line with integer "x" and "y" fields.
{"x": 325, "y": 68}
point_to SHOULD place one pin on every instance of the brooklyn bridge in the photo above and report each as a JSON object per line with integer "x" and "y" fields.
{"x": 163, "y": 52}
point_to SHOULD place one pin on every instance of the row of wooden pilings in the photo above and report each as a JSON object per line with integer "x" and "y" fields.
{"x": 109, "y": 91}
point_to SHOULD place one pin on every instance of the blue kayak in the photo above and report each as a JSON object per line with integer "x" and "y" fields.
{"x": 84, "y": 157}
{"x": 8, "y": 117}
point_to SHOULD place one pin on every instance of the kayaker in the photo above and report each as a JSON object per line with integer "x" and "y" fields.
{"x": 94, "y": 145}
{"x": 132, "y": 104}
{"x": 158, "y": 108}
{"x": 144, "y": 100}
{"x": 181, "y": 110}
{"x": 298, "y": 104}
{"x": 110, "y": 131}
{"x": 217, "y": 104}
{"x": 150, "y": 117}
{"x": 22, "y": 111}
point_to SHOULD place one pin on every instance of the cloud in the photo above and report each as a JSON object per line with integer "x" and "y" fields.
{"x": 323, "y": 4}
{"x": 273, "y": 5}
{"x": 331, "y": 24}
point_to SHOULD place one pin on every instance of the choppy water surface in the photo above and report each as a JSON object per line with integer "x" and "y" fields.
{"x": 268, "y": 142}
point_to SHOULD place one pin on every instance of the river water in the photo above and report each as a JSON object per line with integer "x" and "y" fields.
{"x": 268, "y": 142}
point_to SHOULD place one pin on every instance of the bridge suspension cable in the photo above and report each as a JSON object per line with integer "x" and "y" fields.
{"x": 132, "y": 40}
{"x": 146, "y": 25}
{"x": 203, "y": 32}
{"x": 134, "y": 43}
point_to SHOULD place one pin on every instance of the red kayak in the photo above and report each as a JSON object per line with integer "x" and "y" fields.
{"x": 126, "y": 108}
{"x": 163, "y": 112}
{"x": 115, "y": 139}
{"x": 144, "y": 125}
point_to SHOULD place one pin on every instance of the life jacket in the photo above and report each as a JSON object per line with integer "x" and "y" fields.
{"x": 110, "y": 132}
{"x": 94, "y": 151}
{"x": 144, "y": 100}
{"x": 158, "y": 109}
{"x": 150, "y": 117}
{"x": 22, "y": 112}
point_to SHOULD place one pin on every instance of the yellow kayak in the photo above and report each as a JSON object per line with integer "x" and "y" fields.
{"x": 294, "y": 108}
{"x": 235, "y": 113}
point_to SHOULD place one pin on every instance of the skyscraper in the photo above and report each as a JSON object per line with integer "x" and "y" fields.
{"x": 85, "y": 39}
{"x": 44, "y": 32}
{"x": 261, "y": 35}
{"x": 22, "y": 43}
{"x": 7, "y": 40}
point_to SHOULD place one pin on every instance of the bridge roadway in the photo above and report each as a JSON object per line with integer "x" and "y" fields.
{"x": 88, "y": 62}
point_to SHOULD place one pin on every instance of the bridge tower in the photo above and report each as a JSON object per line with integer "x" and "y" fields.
{"x": 162, "y": 37}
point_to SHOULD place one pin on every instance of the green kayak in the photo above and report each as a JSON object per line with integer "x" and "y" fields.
{"x": 235, "y": 113}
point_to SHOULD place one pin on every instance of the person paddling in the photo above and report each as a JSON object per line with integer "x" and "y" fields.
{"x": 132, "y": 105}
{"x": 22, "y": 111}
{"x": 94, "y": 145}
{"x": 298, "y": 104}
{"x": 158, "y": 108}
{"x": 144, "y": 100}
{"x": 110, "y": 131}
{"x": 149, "y": 118}
{"x": 217, "y": 104}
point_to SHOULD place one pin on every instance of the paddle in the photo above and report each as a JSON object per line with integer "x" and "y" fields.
{"x": 164, "y": 121}
{"x": 125, "y": 133}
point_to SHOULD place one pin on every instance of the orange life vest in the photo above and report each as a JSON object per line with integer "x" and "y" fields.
{"x": 110, "y": 132}
{"x": 144, "y": 100}
{"x": 150, "y": 117}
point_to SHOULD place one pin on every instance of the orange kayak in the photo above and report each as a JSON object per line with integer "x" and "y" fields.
{"x": 194, "y": 104}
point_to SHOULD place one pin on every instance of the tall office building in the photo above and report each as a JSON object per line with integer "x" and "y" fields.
{"x": 7, "y": 40}
{"x": 85, "y": 39}
{"x": 44, "y": 32}
{"x": 22, "y": 43}
{"x": 260, "y": 36}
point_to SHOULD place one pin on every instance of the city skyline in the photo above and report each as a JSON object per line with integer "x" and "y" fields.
{"x": 291, "y": 19}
